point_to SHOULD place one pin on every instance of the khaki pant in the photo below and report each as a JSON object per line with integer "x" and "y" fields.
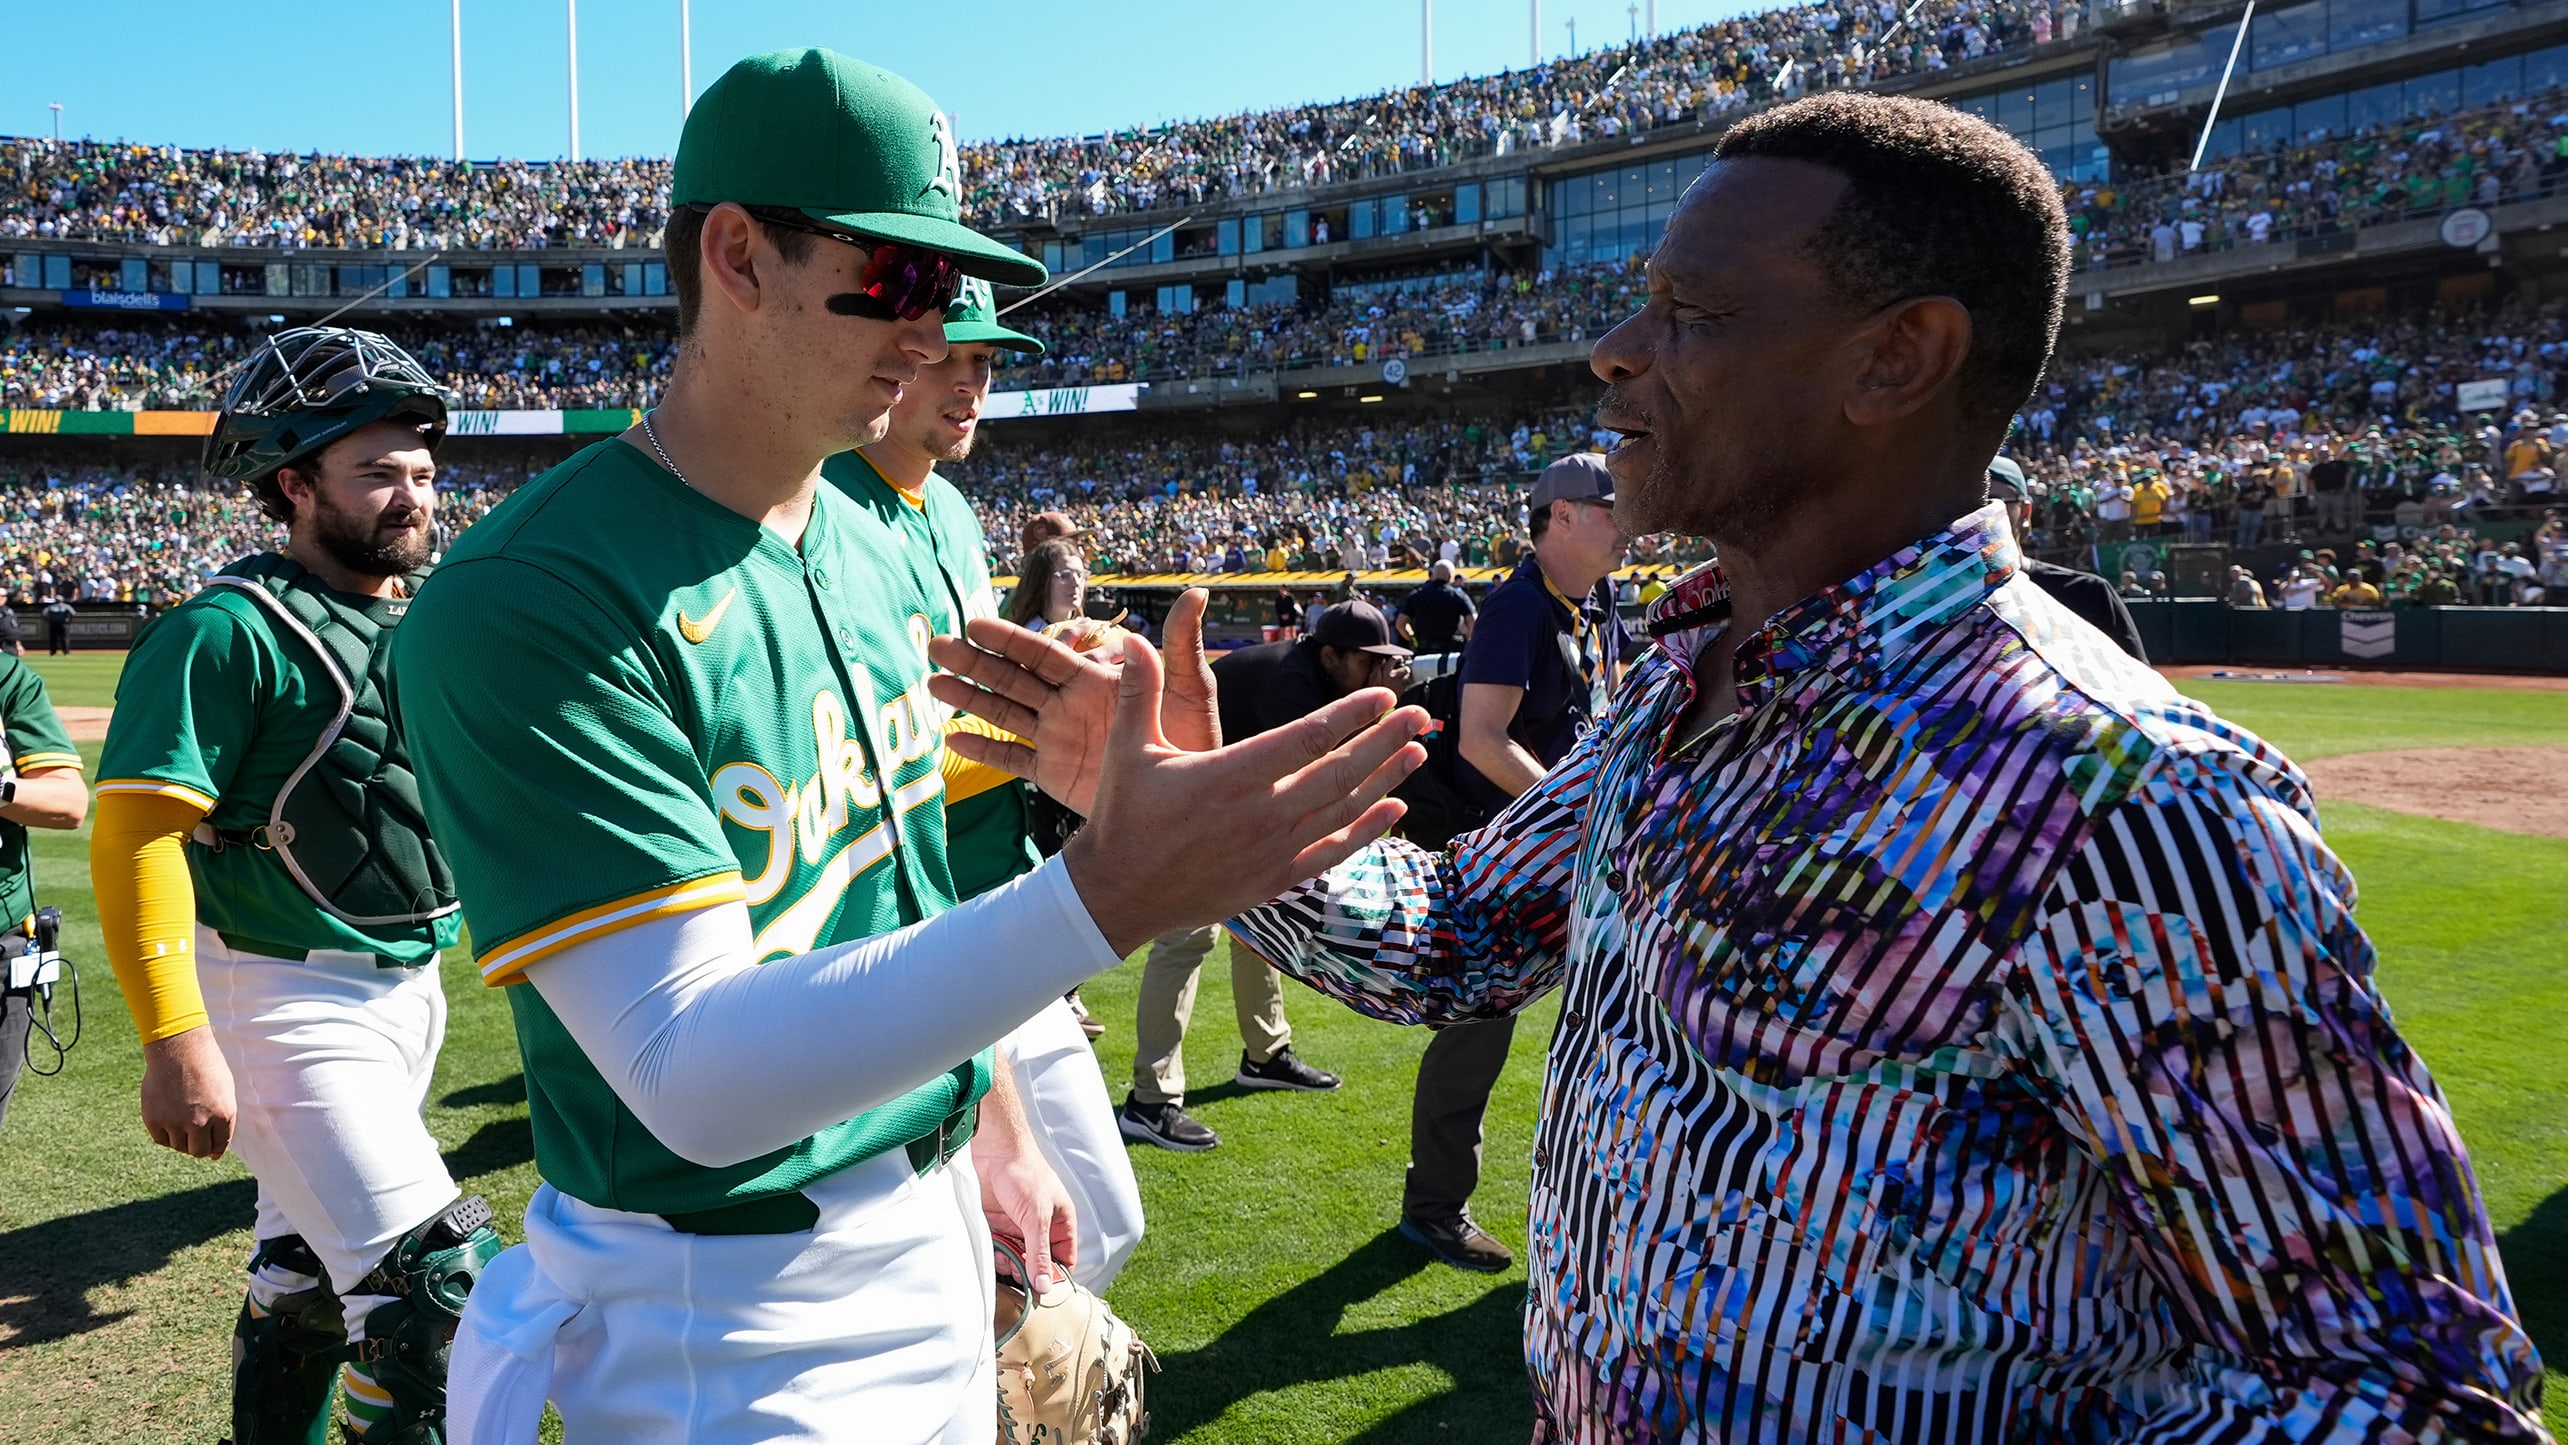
{"x": 1168, "y": 979}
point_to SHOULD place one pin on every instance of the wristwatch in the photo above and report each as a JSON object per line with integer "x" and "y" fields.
{"x": 8, "y": 790}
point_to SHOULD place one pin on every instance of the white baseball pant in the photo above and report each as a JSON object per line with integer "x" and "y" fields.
{"x": 331, "y": 1058}
{"x": 1073, "y": 1118}
{"x": 873, "y": 1326}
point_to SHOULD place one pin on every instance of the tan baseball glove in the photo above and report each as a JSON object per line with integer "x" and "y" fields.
{"x": 1070, "y": 1369}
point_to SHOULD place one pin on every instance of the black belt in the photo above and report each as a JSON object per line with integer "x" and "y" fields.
{"x": 795, "y": 1213}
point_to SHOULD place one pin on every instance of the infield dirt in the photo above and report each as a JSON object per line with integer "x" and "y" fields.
{"x": 2514, "y": 790}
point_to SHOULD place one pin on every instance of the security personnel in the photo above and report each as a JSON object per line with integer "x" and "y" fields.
{"x": 274, "y": 907}
{"x": 40, "y": 787}
{"x": 1534, "y": 675}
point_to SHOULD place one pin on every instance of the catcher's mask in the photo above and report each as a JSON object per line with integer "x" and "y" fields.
{"x": 305, "y": 389}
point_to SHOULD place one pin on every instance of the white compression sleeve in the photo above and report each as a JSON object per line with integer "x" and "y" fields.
{"x": 724, "y": 1059}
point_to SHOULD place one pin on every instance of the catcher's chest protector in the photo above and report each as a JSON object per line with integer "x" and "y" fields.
{"x": 347, "y": 825}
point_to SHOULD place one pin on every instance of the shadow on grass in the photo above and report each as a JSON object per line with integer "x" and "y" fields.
{"x": 2535, "y": 1253}
{"x": 511, "y": 1090}
{"x": 1292, "y": 1340}
{"x": 50, "y": 1268}
{"x": 500, "y": 1144}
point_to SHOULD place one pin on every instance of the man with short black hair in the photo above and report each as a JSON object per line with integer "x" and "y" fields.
{"x": 1963, "y": 1036}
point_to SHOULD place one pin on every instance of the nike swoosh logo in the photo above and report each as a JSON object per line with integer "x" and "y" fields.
{"x": 695, "y": 631}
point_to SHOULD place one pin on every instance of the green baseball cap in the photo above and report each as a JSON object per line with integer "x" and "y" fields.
{"x": 850, "y": 145}
{"x": 973, "y": 315}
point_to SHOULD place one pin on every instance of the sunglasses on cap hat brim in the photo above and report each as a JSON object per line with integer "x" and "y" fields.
{"x": 900, "y": 282}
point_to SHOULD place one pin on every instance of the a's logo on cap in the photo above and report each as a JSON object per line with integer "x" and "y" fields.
{"x": 975, "y": 296}
{"x": 949, "y": 163}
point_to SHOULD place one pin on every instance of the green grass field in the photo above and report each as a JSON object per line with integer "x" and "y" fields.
{"x": 1280, "y": 1303}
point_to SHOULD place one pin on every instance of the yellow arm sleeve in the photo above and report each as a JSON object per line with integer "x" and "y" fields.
{"x": 147, "y": 907}
{"x": 963, "y": 777}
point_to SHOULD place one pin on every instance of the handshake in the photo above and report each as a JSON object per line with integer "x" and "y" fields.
{"x": 1182, "y": 832}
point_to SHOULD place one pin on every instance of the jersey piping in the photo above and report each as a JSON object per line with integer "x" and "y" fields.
{"x": 507, "y": 962}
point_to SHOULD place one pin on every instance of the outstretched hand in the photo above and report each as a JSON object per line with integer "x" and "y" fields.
{"x": 1180, "y": 837}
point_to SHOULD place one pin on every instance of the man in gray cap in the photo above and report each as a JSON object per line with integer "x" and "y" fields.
{"x": 2084, "y": 593}
{"x": 1535, "y": 672}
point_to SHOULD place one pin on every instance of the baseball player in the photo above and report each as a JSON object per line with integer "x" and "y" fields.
{"x": 673, "y": 706}
{"x": 988, "y": 837}
{"x": 40, "y": 787}
{"x": 274, "y": 907}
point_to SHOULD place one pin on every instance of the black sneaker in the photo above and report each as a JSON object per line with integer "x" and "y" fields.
{"x": 1284, "y": 1071}
{"x": 1165, "y": 1125}
{"x": 1459, "y": 1242}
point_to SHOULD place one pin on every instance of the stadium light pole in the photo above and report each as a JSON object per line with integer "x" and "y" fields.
{"x": 1653, "y": 31}
{"x": 686, "y": 63}
{"x": 56, "y": 107}
{"x": 574, "y": 9}
{"x": 2212, "y": 117}
{"x": 1426, "y": 42}
{"x": 455, "y": 30}
{"x": 1573, "y": 37}
{"x": 1534, "y": 35}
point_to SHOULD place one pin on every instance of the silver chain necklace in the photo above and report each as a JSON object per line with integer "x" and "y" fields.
{"x": 654, "y": 438}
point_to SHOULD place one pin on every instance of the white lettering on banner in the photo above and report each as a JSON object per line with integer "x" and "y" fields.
{"x": 1063, "y": 401}
{"x": 504, "y": 423}
{"x": 2368, "y": 634}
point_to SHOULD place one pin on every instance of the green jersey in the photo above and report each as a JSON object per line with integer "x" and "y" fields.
{"x": 218, "y": 709}
{"x": 629, "y": 702}
{"x": 988, "y": 833}
{"x": 32, "y": 740}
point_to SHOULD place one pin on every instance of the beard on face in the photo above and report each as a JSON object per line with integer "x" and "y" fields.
{"x": 957, "y": 450}
{"x": 364, "y": 544}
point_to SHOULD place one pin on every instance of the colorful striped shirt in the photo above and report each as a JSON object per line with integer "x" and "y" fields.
{"x": 1969, "y": 1039}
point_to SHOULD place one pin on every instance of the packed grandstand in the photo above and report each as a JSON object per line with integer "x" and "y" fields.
{"x": 1339, "y": 337}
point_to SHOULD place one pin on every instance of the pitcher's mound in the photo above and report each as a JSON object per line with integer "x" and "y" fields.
{"x": 2513, "y": 789}
{"x": 85, "y": 724}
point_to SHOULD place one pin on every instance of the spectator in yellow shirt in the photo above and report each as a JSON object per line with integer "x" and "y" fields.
{"x": 2354, "y": 592}
{"x": 2148, "y": 502}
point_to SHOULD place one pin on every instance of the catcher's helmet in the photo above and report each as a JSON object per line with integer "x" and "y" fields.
{"x": 305, "y": 389}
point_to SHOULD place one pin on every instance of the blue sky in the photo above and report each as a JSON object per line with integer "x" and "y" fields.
{"x": 371, "y": 76}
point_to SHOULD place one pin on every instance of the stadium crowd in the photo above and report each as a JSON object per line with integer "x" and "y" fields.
{"x": 99, "y": 190}
{"x": 162, "y": 195}
{"x": 2343, "y": 437}
{"x": 139, "y": 363}
{"x": 1309, "y": 497}
{"x": 2491, "y": 155}
{"x": 1729, "y": 64}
